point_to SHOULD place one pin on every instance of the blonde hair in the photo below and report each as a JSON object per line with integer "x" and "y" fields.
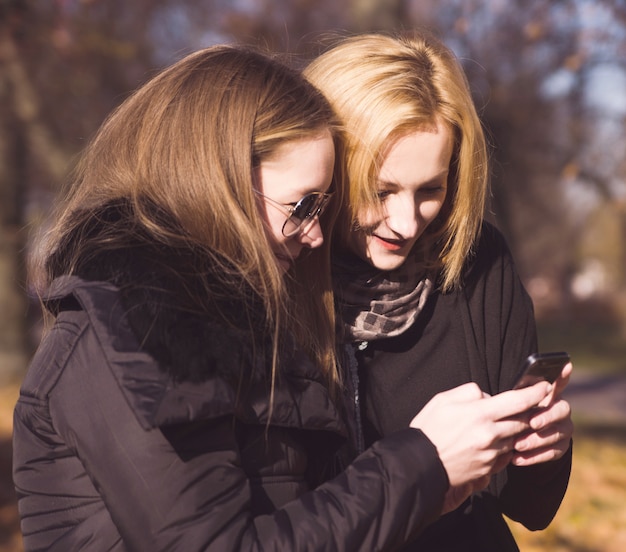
{"x": 187, "y": 142}
{"x": 382, "y": 87}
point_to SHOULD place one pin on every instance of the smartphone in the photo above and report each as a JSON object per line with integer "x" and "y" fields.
{"x": 541, "y": 366}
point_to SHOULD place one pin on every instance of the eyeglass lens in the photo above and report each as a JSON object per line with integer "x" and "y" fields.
{"x": 309, "y": 206}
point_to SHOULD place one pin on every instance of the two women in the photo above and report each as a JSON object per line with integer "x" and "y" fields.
{"x": 186, "y": 396}
{"x": 427, "y": 291}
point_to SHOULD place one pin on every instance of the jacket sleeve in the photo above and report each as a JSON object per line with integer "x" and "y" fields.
{"x": 532, "y": 495}
{"x": 185, "y": 489}
{"x": 503, "y": 317}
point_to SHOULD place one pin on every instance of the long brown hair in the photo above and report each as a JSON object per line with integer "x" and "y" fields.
{"x": 188, "y": 141}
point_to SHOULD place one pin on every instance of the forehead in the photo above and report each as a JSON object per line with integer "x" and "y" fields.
{"x": 399, "y": 128}
{"x": 420, "y": 152}
{"x": 299, "y": 167}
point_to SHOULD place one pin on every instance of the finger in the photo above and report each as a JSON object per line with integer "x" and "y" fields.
{"x": 545, "y": 417}
{"x": 567, "y": 371}
{"x": 561, "y": 382}
{"x": 547, "y": 454}
{"x": 510, "y": 428}
{"x": 510, "y": 403}
{"x": 536, "y": 440}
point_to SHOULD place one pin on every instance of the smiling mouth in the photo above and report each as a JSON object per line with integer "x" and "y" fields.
{"x": 390, "y": 244}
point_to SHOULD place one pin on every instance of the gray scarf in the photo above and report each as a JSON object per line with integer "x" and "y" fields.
{"x": 376, "y": 304}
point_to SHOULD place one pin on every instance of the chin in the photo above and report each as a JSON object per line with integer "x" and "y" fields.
{"x": 387, "y": 264}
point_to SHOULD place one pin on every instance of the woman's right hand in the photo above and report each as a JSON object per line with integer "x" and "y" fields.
{"x": 474, "y": 433}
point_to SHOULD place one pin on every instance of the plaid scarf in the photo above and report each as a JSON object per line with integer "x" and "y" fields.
{"x": 376, "y": 304}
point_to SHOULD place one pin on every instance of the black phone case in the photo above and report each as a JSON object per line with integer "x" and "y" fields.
{"x": 541, "y": 366}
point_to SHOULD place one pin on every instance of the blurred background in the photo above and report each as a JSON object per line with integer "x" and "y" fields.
{"x": 549, "y": 80}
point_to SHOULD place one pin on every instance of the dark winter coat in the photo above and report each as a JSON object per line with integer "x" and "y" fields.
{"x": 143, "y": 423}
{"x": 482, "y": 333}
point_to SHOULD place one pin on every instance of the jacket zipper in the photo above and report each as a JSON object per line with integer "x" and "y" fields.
{"x": 353, "y": 366}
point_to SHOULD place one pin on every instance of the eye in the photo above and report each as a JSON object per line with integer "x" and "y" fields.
{"x": 383, "y": 194}
{"x": 433, "y": 190}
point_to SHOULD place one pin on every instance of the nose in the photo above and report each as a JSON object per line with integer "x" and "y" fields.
{"x": 311, "y": 234}
{"x": 402, "y": 217}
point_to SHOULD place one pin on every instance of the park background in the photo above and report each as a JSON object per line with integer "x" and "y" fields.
{"x": 549, "y": 81}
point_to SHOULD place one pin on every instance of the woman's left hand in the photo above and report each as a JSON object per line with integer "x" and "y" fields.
{"x": 552, "y": 425}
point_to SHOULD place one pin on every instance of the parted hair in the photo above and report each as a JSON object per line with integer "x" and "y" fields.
{"x": 188, "y": 142}
{"x": 383, "y": 87}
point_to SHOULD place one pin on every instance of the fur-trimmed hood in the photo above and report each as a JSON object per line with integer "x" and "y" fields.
{"x": 214, "y": 360}
{"x": 186, "y": 339}
{"x": 193, "y": 336}
{"x": 186, "y": 307}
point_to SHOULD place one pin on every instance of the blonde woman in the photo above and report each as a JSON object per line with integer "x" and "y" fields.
{"x": 427, "y": 291}
{"x": 186, "y": 396}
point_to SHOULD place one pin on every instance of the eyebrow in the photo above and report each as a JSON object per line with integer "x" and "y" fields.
{"x": 434, "y": 180}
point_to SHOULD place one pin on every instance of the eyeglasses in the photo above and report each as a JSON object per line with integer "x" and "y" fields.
{"x": 310, "y": 206}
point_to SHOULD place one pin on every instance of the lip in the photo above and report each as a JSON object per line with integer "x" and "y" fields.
{"x": 390, "y": 244}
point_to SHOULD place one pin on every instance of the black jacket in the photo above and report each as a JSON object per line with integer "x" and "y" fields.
{"x": 143, "y": 424}
{"x": 482, "y": 333}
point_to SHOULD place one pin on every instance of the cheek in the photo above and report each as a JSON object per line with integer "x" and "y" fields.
{"x": 370, "y": 220}
{"x": 273, "y": 228}
{"x": 430, "y": 209}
